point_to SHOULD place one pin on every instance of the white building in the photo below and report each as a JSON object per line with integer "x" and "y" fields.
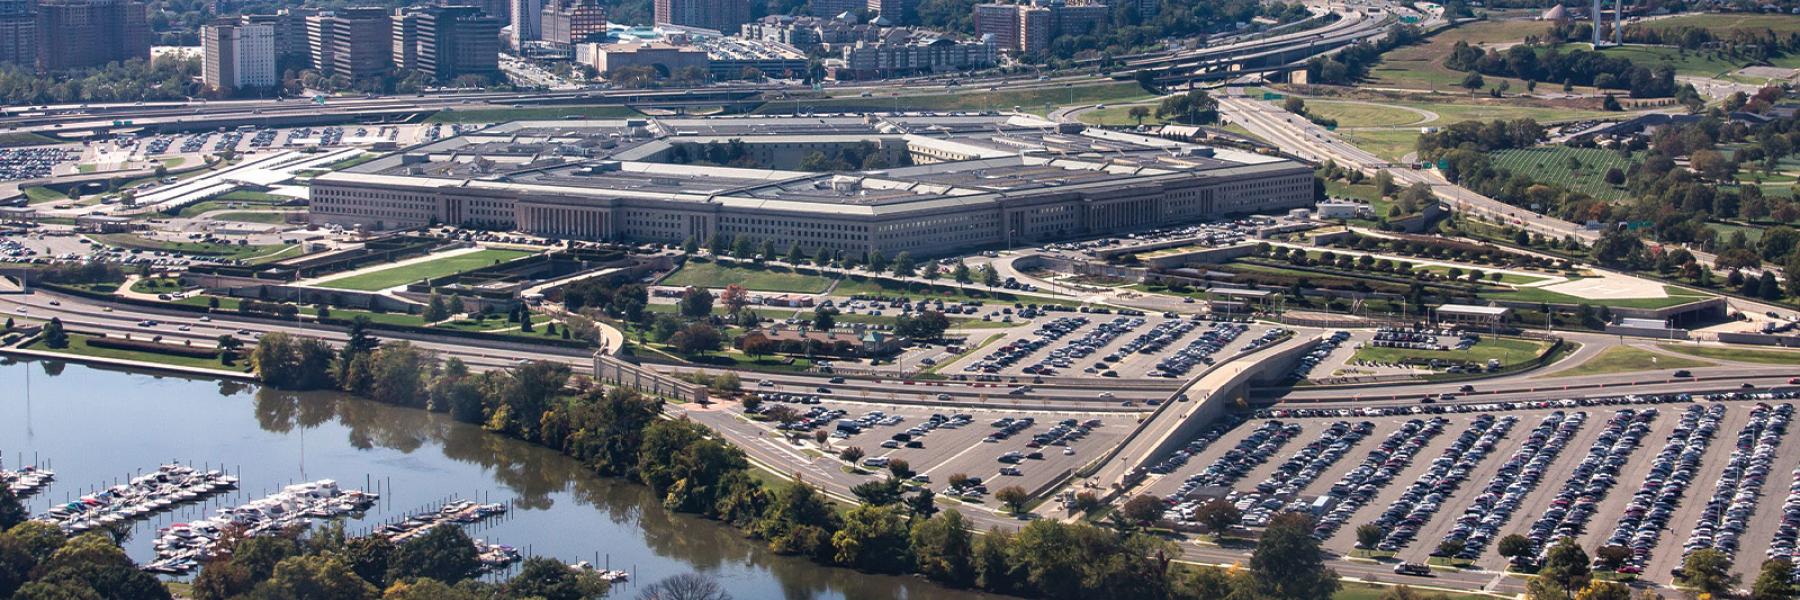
{"x": 527, "y": 22}
{"x": 239, "y": 56}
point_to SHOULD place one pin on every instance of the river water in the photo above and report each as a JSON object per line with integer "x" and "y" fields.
{"x": 96, "y": 427}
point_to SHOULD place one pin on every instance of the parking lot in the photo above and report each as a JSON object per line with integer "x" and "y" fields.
{"x": 1125, "y": 346}
{"x": 956, "y": 444}
{"x": 1721, "y": 469}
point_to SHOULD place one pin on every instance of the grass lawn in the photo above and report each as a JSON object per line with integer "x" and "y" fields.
{"x": 889, "y": 320}
{"x": 24, "y": 138}
{"x": 156, "y": 285}
{"x": 1510, "y": 278}
{"x": 1625, "y": 359}
{"x": 1509, "y": 351}
{"x": 869, "y": 286}
{"x": 496, "y": 115}
{"x": 1552, "y": 164}
{"x": 126, "y": 240}
{"x": 170, "y": 163}
{"x": 1677, "y": 296}
{"x": 252, "y": 196}
{"x": 1361, "y": 114}
{"x": 765, "y": 279}
{"x": 1770, "y": 357}
{"x": 283, "y": 254}
{"x": 1420, "y": 66}
{"x": 1356, "y": 590}
{"x": 1702, "y": 63}
{"x": 1390, "y": 144}
{"x": 1723, "y": 23}
{"x": 267, "y": 217}
{"x": 1118, "y": 116}
{"x": 38, "y": 194}
{"x": 78, "y": 346}
{"x": 451, "y": 265}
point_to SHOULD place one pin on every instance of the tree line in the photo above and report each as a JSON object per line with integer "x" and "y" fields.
{"x": 1566, "y": 66}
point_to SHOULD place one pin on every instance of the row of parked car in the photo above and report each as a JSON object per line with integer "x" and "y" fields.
{"x": 1311, "y": 460}
{"x": 1727, "y": 513}
{"x": 1084, "y": 346}
{"x": 32, "y": 163}
{"x": 1200, "y": 350}
{"x": 1317, "y": 355}
{"x": 1195, "y": 446}
{"x": 1507, "y": 489}
{"x": 1255, "y": 449}
{"x": 1590, "y": 481}
{"x": 1672, "y": 472}
{"x": 1358, "y": 487}
{"x": 1786, "y": 544}
{"x": 1444, "y": 409}
{"x": 1419, "y": 501}
{"x": 1014, "y": 351}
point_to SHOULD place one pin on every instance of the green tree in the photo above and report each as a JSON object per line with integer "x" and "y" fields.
{"x": 1142, "y": 509}
{"x": 317, "y": 576}
{"x": 1139, "y": 113}
{"x": 904, "y": 265}
{"x": 961, "y": 274}
{"x": 54, "y": 335}
{"x": 550, "y": 579}
{"x": 1604, "y": 590}
{"x": 1709, "y": 571}
{"x": 444, "y": 553}
{"x": 436, "y": 309}
{"x": 1775, "y": 581}
{"x": 1014, "y": 497}
{"x": 944, "y": 548}
{"x": 12, "y": 512}
{"x": 1473, "y": 81}
{"x": 1514, "y": 545}
{"x": 1288, "y": 564}
{"x": 1565, "y": 568}
{"x": 994, "y": 570}
{"x": 874, "y": 538}
{"x": 696, "y": 302}
{"x": 1219, "y": 516}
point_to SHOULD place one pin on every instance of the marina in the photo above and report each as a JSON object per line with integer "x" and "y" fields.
{"x": 183, "y": 546}
{"x": 160, "y": 490}
{"x": 26, "y": 481}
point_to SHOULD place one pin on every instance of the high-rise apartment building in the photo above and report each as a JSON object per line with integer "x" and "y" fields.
{"x": 1030, "y": 28}
{"x": 458, "y": 40}
{"x": 356, "y": 43}
{"x": 573, "y": 22}
{"x": 238, "y": 56}
{"x": 720, "y": 15}
{"x": 527, "y": 22}
{"x": 87, "y": 33}
{"x": 18, "y": 32}
{"x": 1000, "y": 21}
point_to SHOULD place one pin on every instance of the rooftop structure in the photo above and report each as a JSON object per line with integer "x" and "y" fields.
{"x": 924, "y": 184}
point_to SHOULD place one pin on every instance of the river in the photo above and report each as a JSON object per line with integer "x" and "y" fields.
{"x": 95, "y": 427}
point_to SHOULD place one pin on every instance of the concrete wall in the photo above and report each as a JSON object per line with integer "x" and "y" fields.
{"x": 1200, "y": 256}
{"x": 1761, "y": 339}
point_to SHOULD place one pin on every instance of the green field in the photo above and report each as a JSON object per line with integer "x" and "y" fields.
{"x": 1391, "y": 144}
{"x": 1362, "y": 114}
{"x": 1723, "y": 23}
{"x": 1625, "y": 359}
{"x": 969, "y": 98}
{"x": 1118, "y": 116}
{"x": 764, "y": 279}
{"x": 24, "y": 138}
{"x": 267, "y": 217}
{"x": 1677, "y": 296}
{"x": 1704, "y": 64}
{"x": 1768, "y": 357}
{"x": 1421, "y": 67}
{"x": 1550, "y": 164}
{"x": 38, "y": 194}
{"x": 430, "y": 269}
{"x": 497, "y": 115}
{"x": 1508, "y": 351}
{"x": 78, "y": 346}
{"x": 252, "y": 196}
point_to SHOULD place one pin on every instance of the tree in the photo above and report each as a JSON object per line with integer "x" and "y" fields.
{"x": 1143, "y": 509}
{"x": 444, "y": 553}
{"x": 877, "y": 492}
{"x": 686, "y": 586}
{"x": 12, "y": 512}
{"x": 923, "y": 504}
{"x": 1368, "y": 535}
{"x": 852, "y": 454}
{"x": 878, "y": 262}
{"x": 1218, "y": 516}
{"x": 1709, "y": 571}
{"x": 1192, "y": 108}
{"x": 1611, "y": 557}
{"x": 735, "y": 298}
{"x": 943, "y": 547}
{"x": 824, "y": 318}
{"x": 54, "y": 335}
{"x": 1565, "y": 568}
{"x": 696, "y": 338}
{"x": 1775, "y": 581}
{"x": 900, "y": 469}
{"x": 904, "y": 265}
{"x": 959, "y": 273}
{"x": 436, "y": 310}
{"x": 1139, "y": 113}
{"x": 1604, "y": 590}
{"x": 1014, "y": 497}
{"x": 1610, "y": 103}
{"x": 1514, "y": 545}
{"x": 696, "y": 303}
{"x": 316, "y": 576}
{"x": 550, "y": 579}
{"x": 989, "y": 276}
{"x": 1288, "y": 564}
{"x": 1473, "y": 81}
{"x": 874, "y": 538}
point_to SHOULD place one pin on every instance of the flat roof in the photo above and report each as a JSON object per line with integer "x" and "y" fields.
{"x": 1471, "y": 309}
{"x": 1239, "y": 292}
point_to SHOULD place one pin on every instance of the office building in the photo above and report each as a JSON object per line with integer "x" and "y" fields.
{"x": 457, "y": 40}
{"x": 527, "y": 20}
{"x": 239, "y": 56}
{"x": 1000, "y": 21}
{"x": 909, "y": 52}
{"x": 406, "y": 39}
{"x": 292, "y": 51}
{"x": 18, "y": 33}
{"x": 356, "y": 43}
{"x": 664, "y": 58}
{"x": 74, "y": 34}
{"x": 718, "y": 15}
{"x": 961, "y": 183}
{"x": 568, "y": 22}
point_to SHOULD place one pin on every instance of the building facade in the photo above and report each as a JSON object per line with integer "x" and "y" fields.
{"x": 664, "y": 58}
{"x": 357, "y": 43}
{"x": 457, "y": 40}
{"x": 572, "y": 22}
{"x": 719, "y": 15}
{"x": 292, "y": 51}
{"x": 895, "y": 12}
{"x": 1030, "y": 28}
{"x": 74, "y": 34}
{"x": 238, "y": 56}
{"x": 18, "y": 32}
{"x": 866, "y": 60}
{"x": 527, "y": 22}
